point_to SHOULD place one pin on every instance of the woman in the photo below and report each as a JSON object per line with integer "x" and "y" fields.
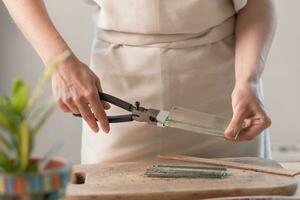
{"x": 206, "y": 55}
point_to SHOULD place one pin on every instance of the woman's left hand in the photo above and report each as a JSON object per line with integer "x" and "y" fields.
{"x": 249, "y": 118}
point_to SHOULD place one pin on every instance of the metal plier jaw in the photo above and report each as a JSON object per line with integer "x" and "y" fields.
{"x": 142, "y": 114}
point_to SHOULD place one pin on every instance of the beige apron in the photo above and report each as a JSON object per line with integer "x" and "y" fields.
{"x": 165, "y": 53}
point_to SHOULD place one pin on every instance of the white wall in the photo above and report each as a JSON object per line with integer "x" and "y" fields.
{"x": 73, "y": 19}
{"x": 281, "y": 76}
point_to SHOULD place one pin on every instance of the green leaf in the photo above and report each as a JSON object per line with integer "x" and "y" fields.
{"x": 20, "y": 96}
{"x": 9, "y": 120}
{"x": 4, "y": 121}
{"x": 5, "y": 162}
{"x": 39, "y": 117}
{"x": 4, "y": 101}
{"x": 24, "y": 146}
{"x": 32, "y": 168}
{"x": 5, "y": 142}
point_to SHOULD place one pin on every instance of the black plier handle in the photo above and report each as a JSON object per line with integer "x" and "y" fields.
{"x": 117, "y": 102}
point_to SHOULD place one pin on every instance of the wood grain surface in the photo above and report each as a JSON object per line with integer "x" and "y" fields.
{"x": 113, "y": 181}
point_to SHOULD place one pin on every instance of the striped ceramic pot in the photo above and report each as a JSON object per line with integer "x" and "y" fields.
{"x": 49, "y": 184}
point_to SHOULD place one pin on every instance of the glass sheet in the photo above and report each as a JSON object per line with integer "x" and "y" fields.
{"x": 199, "y": 122}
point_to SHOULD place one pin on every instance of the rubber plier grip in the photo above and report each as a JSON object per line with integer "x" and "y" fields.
{"x": 117, "y": 102}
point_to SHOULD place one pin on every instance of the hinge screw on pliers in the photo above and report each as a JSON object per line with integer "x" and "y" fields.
{"x": 137, "y": 104}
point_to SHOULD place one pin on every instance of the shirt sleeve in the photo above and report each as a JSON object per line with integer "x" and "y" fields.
{"x": 239, "y": 4}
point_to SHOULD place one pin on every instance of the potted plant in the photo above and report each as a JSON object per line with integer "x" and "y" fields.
{"x": 21, "y": 118}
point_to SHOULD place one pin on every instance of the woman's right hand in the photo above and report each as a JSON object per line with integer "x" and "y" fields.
{"x": 76, "y": 88}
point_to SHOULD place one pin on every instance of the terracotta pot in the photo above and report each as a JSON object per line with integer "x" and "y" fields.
{"x": 48, "y": 184}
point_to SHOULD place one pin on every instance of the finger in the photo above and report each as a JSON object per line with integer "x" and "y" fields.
{"x": 246, "y": 123}
{"x": 258, "y": 125}
{"x": 235, "y": 124}
{"x": 98, "y": 110}
{"x": 104, "y": 125}
{"x": 265, "y": 120}
{"x": 98, "y": 84}
{"x": 69, "y": 102}
{"x": 87, "y": 114}
{"x": 105, "y": 104}
{"x": 251, "y": 133}
{"x": 62, "y": 106}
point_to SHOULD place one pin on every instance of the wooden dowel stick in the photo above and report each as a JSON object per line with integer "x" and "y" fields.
{"x": 224, "y": 163}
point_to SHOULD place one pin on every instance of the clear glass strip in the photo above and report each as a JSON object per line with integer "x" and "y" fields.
{"x": 199, "y": 122}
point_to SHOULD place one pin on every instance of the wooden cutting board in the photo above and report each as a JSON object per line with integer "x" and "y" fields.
{"x": 127, "y": 181}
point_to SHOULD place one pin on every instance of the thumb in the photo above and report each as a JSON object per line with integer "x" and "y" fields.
{"x": 235, "y": 124}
